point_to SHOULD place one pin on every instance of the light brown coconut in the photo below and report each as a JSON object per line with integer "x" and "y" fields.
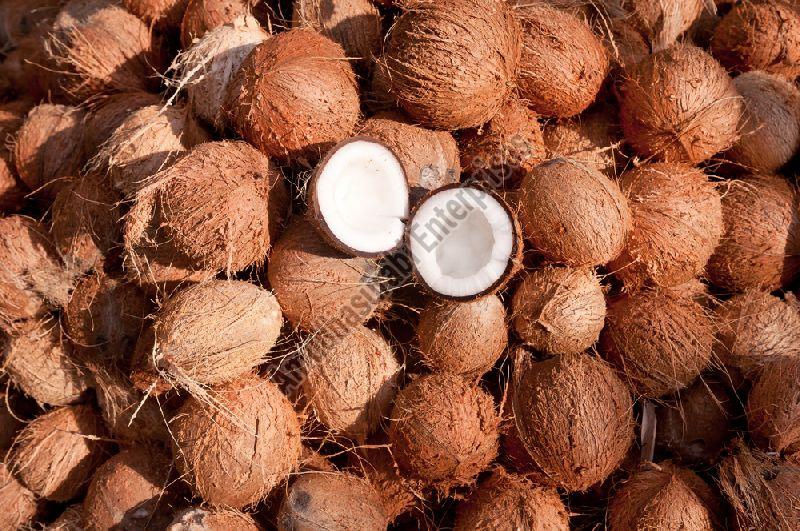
{"x": 563, "y": 64}
{"x": 105, "y": 113}
{"x": 198, "y": 519}
{"x": 676, "y": 215}
{"x": 573, "y": 214}
{"x": 661, "y": 21}
{"x": 299, "y": 74}
{"x": 679, "y": 105}
{"x": 451, "y": 63}
{"x": 235, "y": 450}
{"x": 18, "y": 501}
{"x": 56, "y": 454}
{"x": 12, "y": 191}
{"x": 664, "y": 496}
{"x": 464, "y": 338}
{"x": 559, "y": 310}
{"x": 760, "y": 247}
{"x": 574, "y": 416}
{"x": 331, "y": 501}
{"x": 377, "y": 464}
{"x": 773, "y": 406}
{"x": 165, "y": 14}
{"x": 770, "y": 126}
{"x": 444, "y": 431}
{"x": 201, "y": 16}
{"x": 760, "y": 36}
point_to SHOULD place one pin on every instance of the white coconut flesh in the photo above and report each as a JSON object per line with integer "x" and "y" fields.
{"x": 461, "y": 241}
{"x": 362, "y": 196}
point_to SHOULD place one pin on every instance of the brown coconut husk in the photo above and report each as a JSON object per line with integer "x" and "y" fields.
{"x": 760, "y": 247}
{"x": 624, "y": 44}
{"x": 105, "y": 113}
{"x": 199, "y": 519}
{"x": 676, "y": 217}
{"x": 451, "y": 63}
{"x": 56, "y": 454}
{"x": 26, "y": 18}
{"x": 201, "y": 16}
{"x": 573, "y": 451}
{"x": 20, "y": 503}
{"x": 592, "y": 139}
{"x": 773, "y": 406}
{"x": 559, "y": 310}
{"x": 679, "y": 105}
{"x": 12, "y": 191}
{"x": 12, "y": 116}
{"x": 662, "y": 22}
{"x": 164, "y": 14}
{"x": 26, "y": 69}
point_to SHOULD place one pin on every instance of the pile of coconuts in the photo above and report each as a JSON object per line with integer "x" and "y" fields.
{"x": 411, "y": 264}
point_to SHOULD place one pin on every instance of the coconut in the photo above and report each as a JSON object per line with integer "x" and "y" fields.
{"x": 331, "y": 501}
{"x": 451, "y": 63}
{"x": 165, "y": 14}
{"x": 197, "y": 519}
{"x": 464, "y": 338}
{"x": 761, "y": 243}
{"x": 559, "y": 310}
{"x": 760, "y": 36}
{"x": 201, "y": 16}
{"x": 676, "y": 215}
{"x": 12, "y": 116}
{"x": 56, "y": 454}
{"x": 591, "y": 139}
{"x": 624, "y": 44}
{"x": 573, "y": 214}
{"x": 503, "y": 150}
{"x": 755, "y": 329}
{"x": 300, "y": 74}
{"x": 563, "y": 63}
{"x": 662, "y": 22}
{"x": 105, "y": 113}
{"x": 25, "y": 18}
{"x": 679, "y": 105}
{"x": 71, "y": 519}
{"x": 12, "y": 192}
{"x": 574, "y": 451}
{"x": 770, "y": 124}
{"x": 398, "y": 493}
{"x": 506, "y": 501}
{"x": 19, "y": 502}
{"x": 26, "y": 72}
{"x": 444, "y": 431}
{"x": 773, "y": 406}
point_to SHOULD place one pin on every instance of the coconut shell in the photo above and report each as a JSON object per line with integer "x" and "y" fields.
{"x": 56, "y": 454}
{"x": 591, "y": 139}
{"x": 302, "y": 74}
{"x": 676, "y": 217}
{"x": 679, "y": 105}
{"x": 574, "y": 416}
{"x": 773, "y": 406}
{"x": 559, "y": 310}
{"x": 105, "y": 113}
{"x": 563, "y": 64}
{"x": 573, "y": 214}
{"x": 398, "y": 492}
{"x": 165, "y": 14}
{"x": 662, "y": 22}
{"x": 452, "y": 63}
{"x": 19, "y": 502}
{"x": 464, "y": 338}
{"x": 236, "y": 451}
{"x": 197, "y": 519}
{"x": 201, "y": 16}
{"x": 760, "y": 247}
{"x": 444, "y": 431}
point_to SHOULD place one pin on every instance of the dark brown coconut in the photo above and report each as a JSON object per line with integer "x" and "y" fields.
{"x": 197, "y": 519}
{"x": 773, "y": 406}
{"x": 679, "y": 105}
{"x": 573, "y": 214}
{"x": 10, "y": 423}
{"x": 573, "y": 451}
{"x": 559, "y": 310}
{"x": 56, "y": 454}
{"x": 12, "y": 192}
{"x": 26, "y": 18}
{"x": 444, "y": 431}
{"x": 19, "y": 502}
{"x": 104, "y": 114}
{"x": 464, "y": 338}
{"x": 662, "y": 22}
{"x": 25, "y": 68}
{"x": 298, "y": 73}
{"x": 592, "y": 139}
{"x": 235, "y": 450}
{"x": 761, "y": 243}
{"x": 563, "y": 64}
{"x": 451, "y": 63}
{"x": 165, "y": 14}
{"x": 201, "y": 16}
{"x": 676, "y": 215}
{"x": 331, "y": 501}
{"x": 378, "y": 465}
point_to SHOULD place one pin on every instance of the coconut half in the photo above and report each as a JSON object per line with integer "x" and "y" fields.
{"x": 360, "y": 197}
{"x": 464, "y": 242}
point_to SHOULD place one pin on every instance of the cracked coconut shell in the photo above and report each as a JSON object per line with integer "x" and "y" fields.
{"x": 197, "y": 519}
{"x": 105, "y": 113}
{"x": 660, "y": 21}
{"x": 591, "y": 139}
{"x": 676, "y": 215}
{"x": 559, "y": 310}
{"x": 573, "y": 214}
{"x": 236, "y": 450}
{"x": 451, "y": 63}
{"x": 18, "y": 502}
{"x": 773, "y": 406}
{"x": 165, "y": 14}
{"x": 679, "y": 105}
{"x": 574, "y": 416}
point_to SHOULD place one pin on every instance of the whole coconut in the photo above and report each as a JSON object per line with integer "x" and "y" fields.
{"x": 760, "y": 247}
{"x": 591, "y": 139}
{"x": 773, "y": 406}
{"x": 451, "y": 63}
{"x": 12, "y": 116}
{"x": 573, "y": 214}
{"x": 559, "y": 310}
{"x": 679, "y": 105}
{"x": 197, "y": 519}
{"x": 676, "y": 215}
{"x": 574, "y": 416}
{"x": 201, "y": 16}
{"x": 236, "y": 450}
{"x": 378, "y": 465}
{"x": 165, "y": 14}
{"x": 662, "y": 21}
{"x": 20, "y": 503}
{"x": 105, "y": 113}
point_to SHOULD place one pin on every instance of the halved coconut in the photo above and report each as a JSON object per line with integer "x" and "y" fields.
{"x": 464, "y": 242}
{"x": 360, "y": 196}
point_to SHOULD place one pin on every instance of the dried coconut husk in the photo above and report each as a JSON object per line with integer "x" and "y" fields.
{"x": 676, "y": 215}
{"x": 164, "y": 14}
{"x": 773, "y": 406}
{"x": 202, "y": 16}
{"x": 238, "y": 449}
{"x": 105, "y": 113}
{"x": 573, "y": 451}
{"x": 661, "y": 21}
{"x": 56, "y": 454}
{"x": 760, "y": 247}
{"x": 12, "y": 192}
{"x": 559, "y": 310}
{"x": 679, "y": 105}
{"x": 563, "y": 64}
{"x": 624, "y": 44}
{"x": 451, "y": 63}
{"x": 592, "y": 139}
{"x": 12, "y": 116}
{"x": 19, "y": 503}
{"x": 199, "y": 519}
